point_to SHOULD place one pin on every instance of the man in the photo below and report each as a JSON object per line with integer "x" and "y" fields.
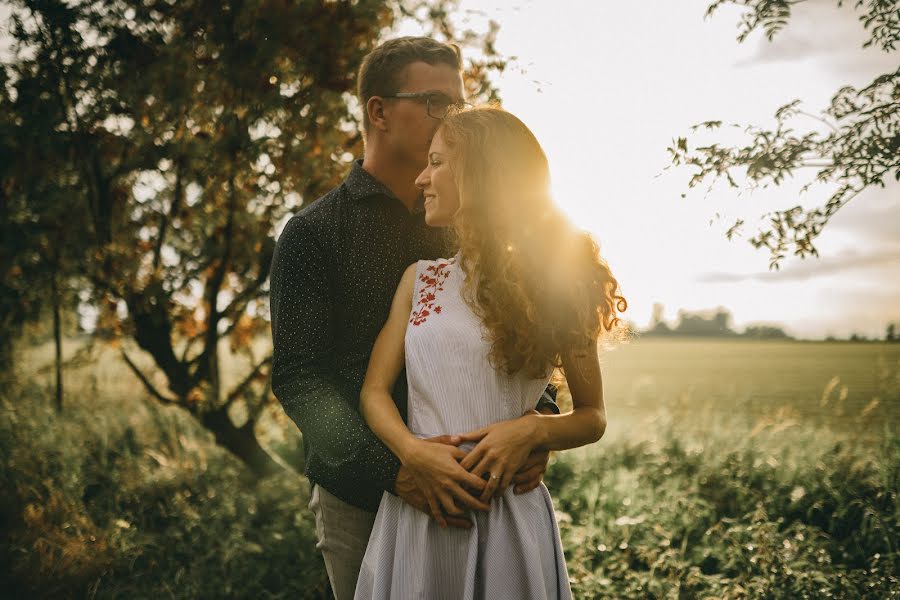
{"x": 334, "y": 273}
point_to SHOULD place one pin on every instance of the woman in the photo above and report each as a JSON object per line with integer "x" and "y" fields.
{"x": 480, "y": 335}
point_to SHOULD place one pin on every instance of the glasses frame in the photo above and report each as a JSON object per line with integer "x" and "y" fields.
{"x": 429, "y": 96}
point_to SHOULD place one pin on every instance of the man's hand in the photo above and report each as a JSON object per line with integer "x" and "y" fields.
{"x": 532, "y": 472}
{"x": 409, "y": 491}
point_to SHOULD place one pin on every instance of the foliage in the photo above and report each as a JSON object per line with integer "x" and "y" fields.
{"x": 128, "y": 498}
{"x": 154, "y": 149}
{"x": 859, "y": 148}
{"x": 131, "y": 499}
{"x": 783, "y": 514}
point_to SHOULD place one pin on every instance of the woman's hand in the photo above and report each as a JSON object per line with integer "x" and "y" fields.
{"x": 501, "y": 451}
{"x": 436, "y": 470}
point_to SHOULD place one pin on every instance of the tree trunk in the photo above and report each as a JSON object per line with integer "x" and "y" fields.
{"x": 153, "y": 333}
{"x": 240, "y": 441}
{"x": 57, "y": 339}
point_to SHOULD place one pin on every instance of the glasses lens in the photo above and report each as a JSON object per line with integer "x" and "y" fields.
{"x": 438, "y": 106}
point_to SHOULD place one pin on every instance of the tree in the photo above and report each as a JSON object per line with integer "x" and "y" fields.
{"x": 766, "y": 332}
{"x": 890, "y": 335}
{"x": 860, "y": 148}
{"x": 704, "y": 323}
{"x": 42, "y": 243}
{"x": 155, "y": 146}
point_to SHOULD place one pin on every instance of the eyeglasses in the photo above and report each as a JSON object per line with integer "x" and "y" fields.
{"x": 437, "y": 105}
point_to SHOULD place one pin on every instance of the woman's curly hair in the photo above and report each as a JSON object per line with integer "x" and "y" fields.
{"x": 537, "y": 282}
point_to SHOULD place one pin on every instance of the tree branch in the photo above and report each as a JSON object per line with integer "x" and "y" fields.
{"x": 237, "y": 391}
{"x": 153, "y": 391}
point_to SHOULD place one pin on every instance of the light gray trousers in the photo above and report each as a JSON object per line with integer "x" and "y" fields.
{"x": 343, "y": 531}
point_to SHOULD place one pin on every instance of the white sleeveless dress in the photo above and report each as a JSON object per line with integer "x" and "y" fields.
{"x": 513, "y": 551}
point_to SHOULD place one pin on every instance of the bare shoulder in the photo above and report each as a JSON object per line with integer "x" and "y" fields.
{"x": 409, "y": 275}
{"x": 407, "y": 285}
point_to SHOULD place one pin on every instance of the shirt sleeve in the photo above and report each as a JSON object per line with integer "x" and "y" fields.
{"x": 301, "y": 303}
{"x": 548, "y": 399}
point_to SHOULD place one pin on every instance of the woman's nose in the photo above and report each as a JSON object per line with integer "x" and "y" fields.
{"x": 423, "y": 179}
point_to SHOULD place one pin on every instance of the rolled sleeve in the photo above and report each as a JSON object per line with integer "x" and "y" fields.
{"x": 548, "y": 399}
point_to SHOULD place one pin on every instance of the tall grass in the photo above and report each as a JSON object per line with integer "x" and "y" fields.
{"x": 120, "y": 497}
{"x": 780, "y": 515}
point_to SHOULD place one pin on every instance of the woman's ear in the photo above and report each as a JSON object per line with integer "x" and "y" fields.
{"x": 375, "y": 108}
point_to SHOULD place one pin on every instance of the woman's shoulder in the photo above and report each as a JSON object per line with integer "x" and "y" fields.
{"x": 438, "y": 268}
{"x": 425, "y": 272}
{"x": 432, "y": 266}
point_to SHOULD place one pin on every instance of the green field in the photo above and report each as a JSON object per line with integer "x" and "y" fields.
{"x": 730, "y": 469}
{"x": 822, "y": 384}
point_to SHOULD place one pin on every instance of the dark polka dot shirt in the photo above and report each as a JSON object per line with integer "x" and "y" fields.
{"x": 334, "y": 273}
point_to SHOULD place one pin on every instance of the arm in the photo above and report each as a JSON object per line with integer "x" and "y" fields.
{"x": 531, "y": 473}
{"x": 435, "y": 467}
{"x": 302, "y": 377}
{"x": 504, "y": 447}
{"x": 586, "y": 423}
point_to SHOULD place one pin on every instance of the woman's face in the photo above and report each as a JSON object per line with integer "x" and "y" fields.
{"x": 439, "y": 185}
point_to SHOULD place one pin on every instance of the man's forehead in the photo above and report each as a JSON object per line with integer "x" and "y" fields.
{"x": 423, "y": 77}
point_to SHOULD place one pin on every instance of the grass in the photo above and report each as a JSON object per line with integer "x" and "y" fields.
{"x": 119, "y": 497}
{"x": 779, "y": 515}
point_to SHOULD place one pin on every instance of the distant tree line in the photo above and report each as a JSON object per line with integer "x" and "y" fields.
{"x": 718, "y": 324}
{"x": 706, "y": 324}
{"x": 890, "y": 336}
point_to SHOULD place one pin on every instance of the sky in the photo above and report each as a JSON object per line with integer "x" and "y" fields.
{"x": 606, "y": 86}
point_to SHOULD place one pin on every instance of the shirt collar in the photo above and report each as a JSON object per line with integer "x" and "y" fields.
{"x": 361, "y": 185}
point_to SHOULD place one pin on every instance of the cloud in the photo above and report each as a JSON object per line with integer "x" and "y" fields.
{"x": 874, "y": 215}
{"x": 822, "y": 30}
{"x": 812, "y": 268}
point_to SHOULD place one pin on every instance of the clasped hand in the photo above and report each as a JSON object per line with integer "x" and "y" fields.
{"x": 447, "y": 476}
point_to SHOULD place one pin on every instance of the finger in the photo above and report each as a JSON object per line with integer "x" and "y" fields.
{"x": 505, "y": 480}
{"x": 528, "y": 474}
{"x": 482, "y": 467}
{"x": 532, "y": 461}
{"x": 449, "y": 505}
{"x": 473, "y": 482}
{"x": 468, "y": 499}
{"x": 488, "y": 494}
{"x": 436, "y": 511}
{"x": 419, "y": 503}
{"x": 451, "y": 440}
{"x": 458, "y": 454}
{"x": 474, "y": 490}
{"x": 470, "y": 479}
{"x": 459, "y": 522}
{"x": 537, "y": 457}
{"x": 492, "y": 483}
{"x": 526, "y": 487}
{"x": 474, "y": 436}
{"x": 472, "y": 458}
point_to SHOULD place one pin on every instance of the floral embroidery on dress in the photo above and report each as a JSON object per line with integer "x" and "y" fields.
{"x": 433, "y": 279}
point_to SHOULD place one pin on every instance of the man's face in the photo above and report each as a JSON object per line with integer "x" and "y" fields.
{"x": 410, "y": 128}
